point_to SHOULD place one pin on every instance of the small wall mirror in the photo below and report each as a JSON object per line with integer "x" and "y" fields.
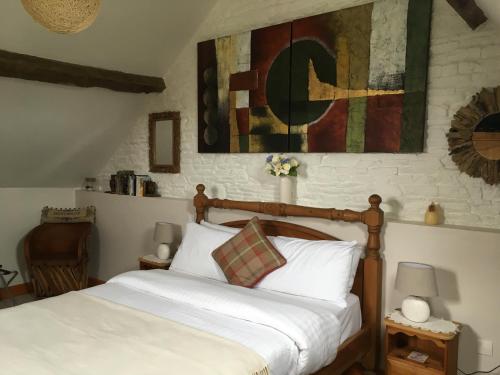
{"x": 164, "y": 142}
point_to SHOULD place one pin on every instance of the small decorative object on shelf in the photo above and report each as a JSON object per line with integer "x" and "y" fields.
{"x": 151, "y": 189}
{"x": 90, "y": 184}
{"x": 284, "y": 167}
{"x": 432, "y": 215}
{"x": 150, "y": 262}
{"x": 418, "y": 281}
{"x": 164, "y": 236}
{"x": 421, "y": 348}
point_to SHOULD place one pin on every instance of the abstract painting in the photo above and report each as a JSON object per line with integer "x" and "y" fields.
{"x": 352, "y": 80}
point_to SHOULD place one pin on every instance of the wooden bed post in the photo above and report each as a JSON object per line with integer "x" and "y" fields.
{"x": 368, "y": 281}
{"x": 372, "y": 294}
{"x": 200, "y": 203}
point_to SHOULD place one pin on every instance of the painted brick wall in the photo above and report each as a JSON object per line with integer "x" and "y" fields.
{"x": 462, "y": 61}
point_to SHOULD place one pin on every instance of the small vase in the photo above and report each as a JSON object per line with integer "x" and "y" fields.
{"x": 286, "y": 186}
{"x": 432, "y": 215}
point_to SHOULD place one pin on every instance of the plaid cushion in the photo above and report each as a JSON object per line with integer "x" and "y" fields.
{"x": 249, "y": 256}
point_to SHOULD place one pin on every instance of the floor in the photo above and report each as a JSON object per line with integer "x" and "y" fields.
{"x": 19, "y": 300}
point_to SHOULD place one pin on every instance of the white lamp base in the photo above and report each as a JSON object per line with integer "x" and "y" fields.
{"x": 163, "y": 251}
{"x": 416, "y": 309}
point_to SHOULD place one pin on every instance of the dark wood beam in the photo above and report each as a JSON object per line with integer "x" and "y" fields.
{"x": 16, "y": 65}
{"x": 470, "y": 12}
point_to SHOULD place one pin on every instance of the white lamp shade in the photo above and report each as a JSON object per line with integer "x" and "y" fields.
{"x": 164, "y": 233}
{"x": 416, "y": 279}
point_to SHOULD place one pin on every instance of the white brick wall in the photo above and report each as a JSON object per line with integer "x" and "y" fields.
{"x": 462, "y": 62}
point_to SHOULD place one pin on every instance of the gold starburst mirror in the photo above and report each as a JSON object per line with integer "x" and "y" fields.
{"x": 474, "y": 137}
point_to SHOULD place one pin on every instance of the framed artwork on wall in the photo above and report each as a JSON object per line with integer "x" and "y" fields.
{"x": 352, "y": 80}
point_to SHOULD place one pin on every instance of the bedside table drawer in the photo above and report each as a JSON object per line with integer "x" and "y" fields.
{"x": 402, "y": 367}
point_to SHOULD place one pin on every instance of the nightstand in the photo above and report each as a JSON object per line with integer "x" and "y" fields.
{"x": 151, "y": 262}
{"x": 400, "y": 341}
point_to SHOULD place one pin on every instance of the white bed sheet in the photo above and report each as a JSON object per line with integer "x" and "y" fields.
{"x": 295, "y": 335}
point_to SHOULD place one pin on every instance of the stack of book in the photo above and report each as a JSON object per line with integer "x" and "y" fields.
{"x": 128, "y": 183}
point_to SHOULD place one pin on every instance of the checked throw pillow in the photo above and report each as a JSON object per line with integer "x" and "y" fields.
{"x": 249, "y": 256}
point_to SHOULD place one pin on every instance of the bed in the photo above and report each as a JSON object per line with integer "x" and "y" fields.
{"x": 156, "y": 320}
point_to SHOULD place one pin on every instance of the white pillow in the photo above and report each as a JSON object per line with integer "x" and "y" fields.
{"x": 316, "y": 269}
{"x": 222, "y": 228}
{"x": 194, "y": 255}
{"x": 357, "y": 255}
{"x": 310, "y": 260}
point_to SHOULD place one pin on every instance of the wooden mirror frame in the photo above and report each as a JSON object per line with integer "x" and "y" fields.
{"x": 176, "y": 142}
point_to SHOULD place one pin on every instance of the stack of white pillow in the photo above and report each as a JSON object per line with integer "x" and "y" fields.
{"x": 323, "y": 270}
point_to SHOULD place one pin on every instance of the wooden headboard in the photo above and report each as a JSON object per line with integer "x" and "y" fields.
{"x": 368, "y": 281}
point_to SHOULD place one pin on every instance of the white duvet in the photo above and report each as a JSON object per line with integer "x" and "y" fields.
{"x": 294, "y": 335}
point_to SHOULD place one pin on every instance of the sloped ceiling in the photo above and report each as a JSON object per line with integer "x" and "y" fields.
{"x": 53, "y": 135}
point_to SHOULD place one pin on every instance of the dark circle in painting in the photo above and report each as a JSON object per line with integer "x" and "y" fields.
{"x": 210, "y": 117}
{"x": 291, "y": 104}
{"x": 489, "y": 124}
{"x": 210, "y": 135}
{"x": 210, "y": 98}
{"x": 210, "y": 77}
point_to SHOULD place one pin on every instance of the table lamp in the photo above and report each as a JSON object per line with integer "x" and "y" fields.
{"x": 418, "y": 281}
{"x": 164, "y": 235}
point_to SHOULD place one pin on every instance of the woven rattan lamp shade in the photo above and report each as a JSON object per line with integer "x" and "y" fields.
{"x": 63, "y": 16}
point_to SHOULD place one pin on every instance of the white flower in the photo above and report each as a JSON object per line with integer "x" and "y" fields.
{"x": 287, "y": 167}
{"x": 294, "y": 163}
{"x": 276, "y": 159}
{"x": 285, "y": 171}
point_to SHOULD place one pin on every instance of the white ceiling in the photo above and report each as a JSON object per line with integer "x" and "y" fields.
{"x": 53, "y": 135}
{"x": 136, "y": 36}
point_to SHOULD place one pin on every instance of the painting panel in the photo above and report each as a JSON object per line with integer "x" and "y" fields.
{"x": 352, "y": 80}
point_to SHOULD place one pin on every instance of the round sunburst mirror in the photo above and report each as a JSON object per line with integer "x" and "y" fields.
{"x": 63, "y": 16}
{"x": 474, "y": 137}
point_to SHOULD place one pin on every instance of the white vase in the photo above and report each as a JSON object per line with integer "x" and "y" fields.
{"x": 286, "y": 187}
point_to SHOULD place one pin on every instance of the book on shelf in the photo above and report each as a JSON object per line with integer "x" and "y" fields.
{"x": 418, "y": 357}
{"x": 140, "y": 181}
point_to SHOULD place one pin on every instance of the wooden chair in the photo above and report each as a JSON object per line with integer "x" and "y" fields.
{"x": 56, "y": 256}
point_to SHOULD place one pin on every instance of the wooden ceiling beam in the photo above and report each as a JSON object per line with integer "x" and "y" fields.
{"x": 17, "y": 65}
{"x": 470, "y": 12}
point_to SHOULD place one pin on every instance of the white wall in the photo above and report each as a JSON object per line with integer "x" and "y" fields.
{"x": 462, "y": 62}
{"x": 54, "y": 135}
{"x": 20, "y": 211}
{"x": 467, "y": 261}
{"x": 125, "y": 228}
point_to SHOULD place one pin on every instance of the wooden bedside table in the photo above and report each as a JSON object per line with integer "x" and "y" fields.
{"x": 151, "y": 262}
{"x": 401, "y": 340}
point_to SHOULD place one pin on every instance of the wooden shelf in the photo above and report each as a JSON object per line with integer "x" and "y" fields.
{"x": 401, "y": 354}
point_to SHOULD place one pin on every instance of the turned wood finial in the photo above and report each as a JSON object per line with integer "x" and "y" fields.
{"x": 375, "y": 201}
{"x": 200, "y": 203}
{"x": 200, "y": 188}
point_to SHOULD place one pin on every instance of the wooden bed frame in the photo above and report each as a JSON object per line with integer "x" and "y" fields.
{"x": 361, "y": 351}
